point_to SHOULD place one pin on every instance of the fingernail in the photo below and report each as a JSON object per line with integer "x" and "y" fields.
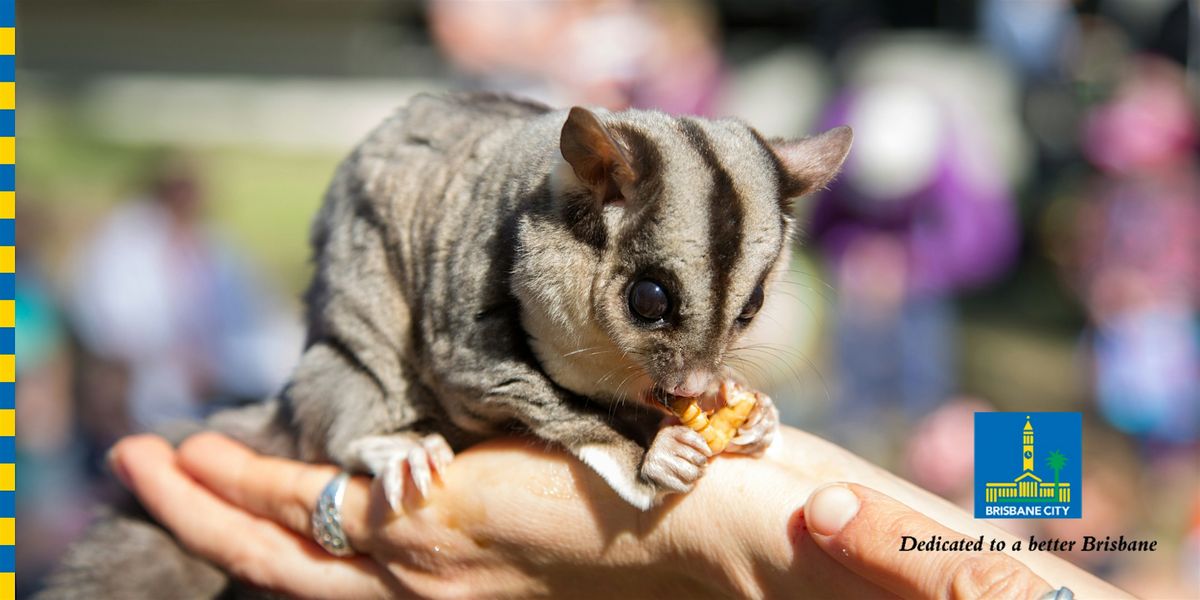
{"x": 114, "y": 465}
{"x": 830, "y": 508}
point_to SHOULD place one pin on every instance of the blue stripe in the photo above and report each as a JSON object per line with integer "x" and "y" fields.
{"x": 8, "y": 232}
{"x": 8, "y": 559}
{"x": 8, "y": 13}
{"x": 8, "y": 395}
{"x": 8, "y": 286}
{"x": 8, "y": 123}
{"x": 8, "y": 67}
{"x": 8, "y": 504}
{"x": 8, "y": 178}
{"x": 8, "y": 449}
{"x": 8, "y": 341}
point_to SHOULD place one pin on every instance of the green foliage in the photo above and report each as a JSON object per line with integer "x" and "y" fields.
{"x": 1056, "y": 461}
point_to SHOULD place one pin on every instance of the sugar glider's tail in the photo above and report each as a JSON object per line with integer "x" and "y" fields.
{"x": 125, "y": 555}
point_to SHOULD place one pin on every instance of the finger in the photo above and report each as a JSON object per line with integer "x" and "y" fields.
{"x": 281, "y": 490}
{"x": 862, "y": 529}
{"x": 252, "y": 549}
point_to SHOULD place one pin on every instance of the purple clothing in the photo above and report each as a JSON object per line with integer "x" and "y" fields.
{"x": 959, "y": 229}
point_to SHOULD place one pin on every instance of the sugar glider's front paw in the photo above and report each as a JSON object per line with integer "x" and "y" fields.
{"x": 757, "y": 433}
{"x": 391, "y": 457}
{"x": 675, "y": 460}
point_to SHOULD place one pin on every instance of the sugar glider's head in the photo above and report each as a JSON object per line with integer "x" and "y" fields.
{"x": 666, "y": 237}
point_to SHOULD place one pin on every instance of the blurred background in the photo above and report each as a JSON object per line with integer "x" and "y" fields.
{"x": 1017, "y": 228}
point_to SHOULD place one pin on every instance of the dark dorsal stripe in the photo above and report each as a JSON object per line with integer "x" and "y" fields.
{"x": 648, "y": 163}
{"x": 584, "y": 214}
{"x": 725, "y": 217}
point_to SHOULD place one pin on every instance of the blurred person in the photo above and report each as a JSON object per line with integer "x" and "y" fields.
{"x": 41, "y": 340}
{"x": 174, "y": 319}
{"x": 911, "y": 221}
{"x": 1133, "y": 258}
{"x": 50, "y": 477}
{"x": 1138, "y": 255}
{"x": 568, "y": 52}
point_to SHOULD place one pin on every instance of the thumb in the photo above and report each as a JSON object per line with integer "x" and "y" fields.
{"x": 862, "y": 529}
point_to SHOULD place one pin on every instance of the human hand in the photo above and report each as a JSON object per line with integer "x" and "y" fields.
{"x": 859, "y": 528}
{"x": 510, "y": 520}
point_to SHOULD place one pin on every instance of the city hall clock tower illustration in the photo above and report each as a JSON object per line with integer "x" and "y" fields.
{"x": 1028, "y": 455}
{"x": 1028, "y": 486}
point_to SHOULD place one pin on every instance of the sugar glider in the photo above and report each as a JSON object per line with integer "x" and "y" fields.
{"x": 486, "y": 266}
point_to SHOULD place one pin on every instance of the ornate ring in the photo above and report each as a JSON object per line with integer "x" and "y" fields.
{"x": 327, "y": 517}
{"x": 1062, "y": 593}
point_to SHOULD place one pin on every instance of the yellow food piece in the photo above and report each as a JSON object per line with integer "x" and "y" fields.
{"x": 722, "y": 425}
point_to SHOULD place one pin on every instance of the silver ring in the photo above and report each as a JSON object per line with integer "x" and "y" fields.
{"x": 1062, "y": 593}
{"x": 327, "y": 518}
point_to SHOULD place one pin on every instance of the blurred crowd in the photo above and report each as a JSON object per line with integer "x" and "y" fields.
{"x": 1017, "y": 228}
{"x": 160, "y": 320}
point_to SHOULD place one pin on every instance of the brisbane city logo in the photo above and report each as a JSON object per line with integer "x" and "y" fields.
{"x": 1027, "y": 465}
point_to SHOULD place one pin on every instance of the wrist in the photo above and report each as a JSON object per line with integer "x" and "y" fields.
{"x": 724, "y": 539}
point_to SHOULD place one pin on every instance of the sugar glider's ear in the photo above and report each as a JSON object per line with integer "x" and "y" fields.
{"x": 595, "y": 156}
{"x": 811, "y": 162}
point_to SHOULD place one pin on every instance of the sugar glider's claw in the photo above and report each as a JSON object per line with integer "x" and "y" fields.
{"x": 430, "y": 456}
{"x": 420, "y": 470}
{"x": 439, "y": 452}
{"x": 395, "y": 458}
{"x": 392, "y": 479}
{"x": 758, "y": 432}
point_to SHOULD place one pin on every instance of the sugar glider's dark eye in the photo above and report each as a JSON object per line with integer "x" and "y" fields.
{"x": 648, "y": 300}
{"x": 752, "y": 305}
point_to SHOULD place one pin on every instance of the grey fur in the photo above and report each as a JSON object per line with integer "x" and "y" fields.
{"x": 471, "y": 282}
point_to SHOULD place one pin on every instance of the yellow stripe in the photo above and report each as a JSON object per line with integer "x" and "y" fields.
{"x": 8, "y": 40}
{"x": 8, "y": 477}
{"x": 8, "y": 368}
{"x": 8, "y": 585}
{"x": 8, "y": 150}
{"x": 8, "y": 95}
{"x": 8, "y": 422}
{"x": 8, "y": 205}
{"x": 8, "y": 313}
{"x": 8, "y": 259}
{"x": 8, "y": 531}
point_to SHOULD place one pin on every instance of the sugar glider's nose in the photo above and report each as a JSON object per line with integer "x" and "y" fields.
{"x": 695, "y": 384}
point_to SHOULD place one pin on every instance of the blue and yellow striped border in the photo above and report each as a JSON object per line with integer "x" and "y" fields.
{"x": 8, "y": 258}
